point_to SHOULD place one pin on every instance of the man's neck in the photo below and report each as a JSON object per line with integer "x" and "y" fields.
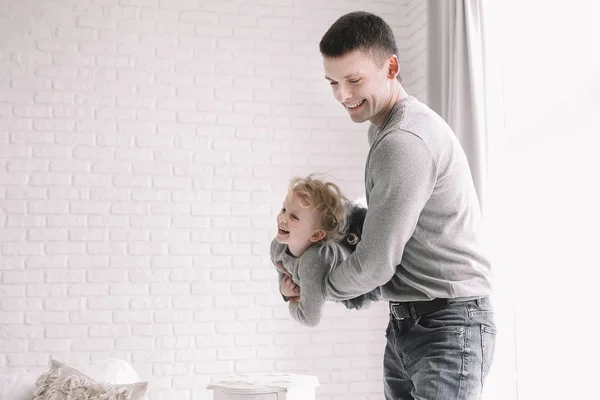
{"x": 398, "y": 93}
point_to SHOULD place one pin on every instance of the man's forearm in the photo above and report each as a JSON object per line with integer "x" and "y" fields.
{"x": 350, "y": 279}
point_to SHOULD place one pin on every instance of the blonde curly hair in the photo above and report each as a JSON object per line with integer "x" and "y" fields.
{"x": 327, "y": 199}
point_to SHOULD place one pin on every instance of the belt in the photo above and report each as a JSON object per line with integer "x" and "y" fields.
{"x": 415, "y": 309}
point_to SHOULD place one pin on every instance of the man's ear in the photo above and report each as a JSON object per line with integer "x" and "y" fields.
{"x": 317, "y": 235}
{"x": 393, "y": 66}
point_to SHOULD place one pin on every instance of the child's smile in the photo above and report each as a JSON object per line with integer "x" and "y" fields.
{"x": 296, "y": 224}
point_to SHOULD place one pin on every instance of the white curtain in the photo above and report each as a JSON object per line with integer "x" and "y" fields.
{"x": 542, "y": 96}
{"x": 456, "y": 77}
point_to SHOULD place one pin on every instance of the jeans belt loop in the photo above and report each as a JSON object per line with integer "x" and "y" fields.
{"x": 393, "y": 310}
{"x": 411, "y": 311}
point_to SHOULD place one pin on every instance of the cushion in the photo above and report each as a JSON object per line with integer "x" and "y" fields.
{"x": 109, "y": 370}
{"x": 62, "y": 382}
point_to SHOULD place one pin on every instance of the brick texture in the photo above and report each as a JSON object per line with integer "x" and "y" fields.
{"x": 145, "y": 146}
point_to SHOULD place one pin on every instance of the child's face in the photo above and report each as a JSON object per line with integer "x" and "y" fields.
{"x": 298, "y": 225}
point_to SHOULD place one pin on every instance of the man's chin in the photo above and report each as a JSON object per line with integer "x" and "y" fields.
{"x": 359, "y": 119}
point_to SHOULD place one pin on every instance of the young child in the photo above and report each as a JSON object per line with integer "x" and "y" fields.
{"x": 313, "y": 236}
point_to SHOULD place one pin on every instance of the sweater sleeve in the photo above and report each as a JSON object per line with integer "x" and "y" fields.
{"x": 280, "y": 274}
{"x": 311, "y": 272}
{"x": 402, "y": 173}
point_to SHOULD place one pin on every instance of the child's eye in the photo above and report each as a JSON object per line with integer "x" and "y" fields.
{"x": 354, "y": 80}
{"x": 282, "y": 210}
{"x": 333, "y": 83}
{"x": 294, "y": 216}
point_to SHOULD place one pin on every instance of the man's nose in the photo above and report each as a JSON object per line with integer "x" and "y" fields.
{"x": 343, "y": 93}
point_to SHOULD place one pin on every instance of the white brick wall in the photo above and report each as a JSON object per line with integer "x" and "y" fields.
{"x": 145, "y": 147}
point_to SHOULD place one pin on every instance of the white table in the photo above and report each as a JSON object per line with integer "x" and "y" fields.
{"x": 268, "y": 386}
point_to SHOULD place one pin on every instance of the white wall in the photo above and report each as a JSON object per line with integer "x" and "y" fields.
{"x": 144, "y": 149}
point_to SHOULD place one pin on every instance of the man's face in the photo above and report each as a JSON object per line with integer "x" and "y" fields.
{"x": 363, "y": 88}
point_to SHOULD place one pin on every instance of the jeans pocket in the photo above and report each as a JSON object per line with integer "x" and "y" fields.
{"x": 444, "y": 320}
{"x": 488, "y": 345}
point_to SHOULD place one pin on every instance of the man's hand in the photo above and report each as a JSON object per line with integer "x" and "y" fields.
{"x": 288, "y": 287}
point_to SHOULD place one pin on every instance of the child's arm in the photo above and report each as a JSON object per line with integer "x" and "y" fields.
{"x": 288, "y": 287}
{"x": 280, "y": 268}
{"x": 281, "y": 277}
{"x": 311, "y": 272}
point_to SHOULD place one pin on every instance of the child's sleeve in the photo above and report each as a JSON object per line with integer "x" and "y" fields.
{"x": 311, "y": 272}
{"x": 280, "y": 274}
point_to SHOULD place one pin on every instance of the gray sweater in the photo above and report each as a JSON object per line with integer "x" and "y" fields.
{"x": 308, "y": 272}
{"x": 422, "y": 235}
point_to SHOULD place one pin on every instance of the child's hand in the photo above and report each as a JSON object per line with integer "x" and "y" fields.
{"x": 289, "y": 288}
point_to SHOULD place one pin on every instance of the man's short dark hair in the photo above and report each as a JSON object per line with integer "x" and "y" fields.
{"x": 359, "y": 30}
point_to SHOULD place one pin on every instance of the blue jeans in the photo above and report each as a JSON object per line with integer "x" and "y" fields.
{"x": 442, "y": 355}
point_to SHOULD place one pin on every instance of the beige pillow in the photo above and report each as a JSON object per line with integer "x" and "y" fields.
{"x": 62, "y": 382}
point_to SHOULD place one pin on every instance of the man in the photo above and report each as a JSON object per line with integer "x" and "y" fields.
{"x": 421, "y": 240}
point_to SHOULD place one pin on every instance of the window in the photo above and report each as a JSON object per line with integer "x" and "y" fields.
{"x": 543, "y": 110}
